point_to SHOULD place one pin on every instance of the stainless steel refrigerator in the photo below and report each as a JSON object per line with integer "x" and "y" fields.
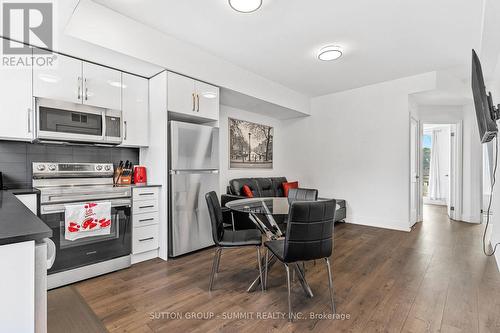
{"x": 193, "y": 171}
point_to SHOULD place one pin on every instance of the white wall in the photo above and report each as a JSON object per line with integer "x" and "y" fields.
{"x": 472, "y": 158}
{"x": 280, "y": 142}
{"x": 472, "y": 167}
{"x": 355, "y": 146}
{"x": 494, "y": 233}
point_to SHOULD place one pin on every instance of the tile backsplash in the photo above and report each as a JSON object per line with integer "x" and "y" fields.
{"x": 16, "y": 158}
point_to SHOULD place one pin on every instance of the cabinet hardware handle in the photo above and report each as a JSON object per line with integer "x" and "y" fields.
{"x": 125, "y": 135}
{"x": 198, "y": 100}
{"x": 150, "y": 206}
{"x": 150, "y": 193}
{"x": 29, "y": 120}
{"x": 145, "y": 220}
{"x": 86, "y": 90}
{"x": 79, "y": 87}
{"x": 146, "y": 239}
{"x": 91, "y": 252}
{"x": 194, "y": 102}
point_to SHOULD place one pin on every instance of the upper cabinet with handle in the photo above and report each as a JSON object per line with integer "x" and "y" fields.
{"x": 135, "y": 111}
{"x": 77, "y": 81}
{"x": 61, "y": 82}
{"x": 102, "y": 86}
{"x": 191, "y": 97}
{"x": 16, "y": 103}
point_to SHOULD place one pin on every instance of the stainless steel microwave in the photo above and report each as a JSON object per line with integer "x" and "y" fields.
{"x": 71, "y": 122}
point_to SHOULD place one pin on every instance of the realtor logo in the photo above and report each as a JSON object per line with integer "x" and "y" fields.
{"x": 29, "y": 23}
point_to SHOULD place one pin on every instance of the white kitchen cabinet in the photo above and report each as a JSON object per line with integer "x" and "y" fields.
{"x": 181, "y": 94}
{"x": 76, "y": 81}
{"x": 145, "y": 221}
{"x": 207, "y": 98}
{"x": 191, "y": 97}
{"x": 16, "y": 103}
{"x": 135, "y": 111}
{"x": 102, "y": 86}
{"x": 61, "y": 82}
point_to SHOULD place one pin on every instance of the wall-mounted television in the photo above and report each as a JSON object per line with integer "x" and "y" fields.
{"x": 486, "y": 112}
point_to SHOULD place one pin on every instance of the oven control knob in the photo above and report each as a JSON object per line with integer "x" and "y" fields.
{"x": 41, "y": 167}
{"x": 107, "y": 167}
{"x": 98, "y": 167}
{"x": 52, "y": 167}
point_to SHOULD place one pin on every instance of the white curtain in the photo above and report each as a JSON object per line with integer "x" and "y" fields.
{"x": 434, "y": 186}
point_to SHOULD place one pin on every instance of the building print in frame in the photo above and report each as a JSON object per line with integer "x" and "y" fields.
{"x": 250, "y": 145}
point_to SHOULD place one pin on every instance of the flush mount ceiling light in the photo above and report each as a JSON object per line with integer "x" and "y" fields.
{"x": 330, "y": 52}
{"x": 245, "y": 6}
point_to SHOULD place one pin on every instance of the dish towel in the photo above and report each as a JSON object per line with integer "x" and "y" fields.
{"x": 87, "y": 220}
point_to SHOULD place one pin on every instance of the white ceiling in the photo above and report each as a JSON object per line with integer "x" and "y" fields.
{"x": 77, "y": 48}
{"x": 383, "y": 40}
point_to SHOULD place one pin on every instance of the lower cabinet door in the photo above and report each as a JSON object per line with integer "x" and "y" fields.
{"x": 145, "y": 239}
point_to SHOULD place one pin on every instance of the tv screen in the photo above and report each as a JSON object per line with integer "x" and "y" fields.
{"x": 485, "y": 111}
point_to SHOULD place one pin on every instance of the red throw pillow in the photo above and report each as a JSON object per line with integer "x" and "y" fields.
{"x": 247, "y": 191}
{"x": 288, "y": 186}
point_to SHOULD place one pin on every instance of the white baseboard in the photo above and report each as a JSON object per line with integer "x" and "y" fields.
{"x": 380, "y": 223}
{"x": 497, "y": 257}
{"x": 136, "y": 258}
{"x": 470, "y": 219}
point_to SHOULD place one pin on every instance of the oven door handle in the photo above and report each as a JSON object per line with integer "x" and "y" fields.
{"x": 81, "y": 197}
{"x": 61, "y": 208}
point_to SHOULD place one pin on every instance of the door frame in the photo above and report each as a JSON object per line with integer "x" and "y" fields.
{"x": 419, "y": 207}
{"x": 456, "y": 169}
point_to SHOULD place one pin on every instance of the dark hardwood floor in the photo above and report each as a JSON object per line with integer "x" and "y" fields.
{"x": 433, "y": 279}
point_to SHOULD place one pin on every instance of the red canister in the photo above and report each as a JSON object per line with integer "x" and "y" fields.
{"x": 140, "y": 176}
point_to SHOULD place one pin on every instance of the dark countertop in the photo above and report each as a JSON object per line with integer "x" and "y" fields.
{"x": 144, "y": 185}
{"x": 17, "y": 222}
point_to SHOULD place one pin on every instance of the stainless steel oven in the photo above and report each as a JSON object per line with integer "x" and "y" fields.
{"x": 63, "y": 184}
{"x": 89, "y": 250}
{"x": 71, "y": 122}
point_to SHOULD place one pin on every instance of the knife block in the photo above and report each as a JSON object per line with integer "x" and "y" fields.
{"x": 124, "y": 180}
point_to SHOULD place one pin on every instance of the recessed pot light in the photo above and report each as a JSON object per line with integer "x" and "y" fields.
{"x": 330, "y": 52}
{"x": 245, "y": 6}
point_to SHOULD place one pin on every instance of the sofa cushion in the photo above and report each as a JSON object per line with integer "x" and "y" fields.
{"x": 236, "y": 186}
{"x": 277, "y": 186}
{"x": 265, "y": 187}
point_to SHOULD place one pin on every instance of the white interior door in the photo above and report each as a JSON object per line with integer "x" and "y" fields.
{"x": 453, "y": 186}
{"x": 414, "y": 171}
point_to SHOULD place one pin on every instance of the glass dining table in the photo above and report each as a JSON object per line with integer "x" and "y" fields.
{"x": 264, "y": 212}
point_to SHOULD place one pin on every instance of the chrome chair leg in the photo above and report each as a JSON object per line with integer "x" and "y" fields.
{"x": 330, "y": 284}
{"x": 218, "y": 261}
{"x": 266, "y": 266}
{"x": 212, "y": 273}
{"x": 260, "y": 268}
{"x": 289, "y": 290}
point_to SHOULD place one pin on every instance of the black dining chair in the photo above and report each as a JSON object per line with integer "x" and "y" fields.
{"x": 308, "y": 237}
{"x": 224, "y": 238}
{"x": 298, "y": 194}
{"x": 302, "y": 194}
